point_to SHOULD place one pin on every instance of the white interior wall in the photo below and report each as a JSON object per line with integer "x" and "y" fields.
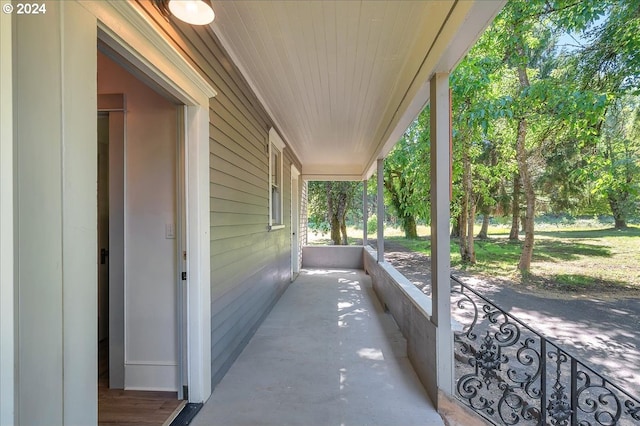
{"x": 150, "y": 207}
{"x": 55, "y": 216}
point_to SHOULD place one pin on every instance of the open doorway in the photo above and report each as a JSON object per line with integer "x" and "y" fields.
{"x": 140, "y": 236}
{"x": 103, "y": 246}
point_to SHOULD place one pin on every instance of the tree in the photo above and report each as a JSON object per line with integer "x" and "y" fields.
{"x": 329, "y": 205}
{"x": 473, "y": 108}
{"x": 610, "y": 65}
{"x": 514, "y": 233}
{"x": 535, "y": 123}
{"x": 407, "y": 176}
{"x": 490, "y": 177}
{"x": 616, "y": 170}
{"x": 546, "y": 103}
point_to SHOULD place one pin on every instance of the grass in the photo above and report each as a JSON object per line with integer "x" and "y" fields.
{"x": 566, "y": 259}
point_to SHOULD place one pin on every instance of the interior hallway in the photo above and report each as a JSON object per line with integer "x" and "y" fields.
{"x": 327, "y": 354}
{"x": 117, "y": 407}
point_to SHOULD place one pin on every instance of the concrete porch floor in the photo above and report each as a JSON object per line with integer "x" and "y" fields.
{"x": 327, "y": 354}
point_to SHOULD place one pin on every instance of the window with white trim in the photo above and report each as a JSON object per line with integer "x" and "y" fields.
{"x": 276, "y": 147}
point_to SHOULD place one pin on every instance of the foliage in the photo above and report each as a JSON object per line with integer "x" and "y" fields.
{"x": 329, "y": 205}
{"x": 615, "y": 169}
{"x": 407, "y": 175}
{"x": 372, "y": 224}
{"x": 610, "y": 65}
{"x": 540, "y": 124}
{"x": 536, "y": 121}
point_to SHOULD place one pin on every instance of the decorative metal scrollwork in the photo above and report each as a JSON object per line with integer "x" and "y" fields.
{"x": 559, "y": 409}
{"x": 633, "y": 409}
{"x": 514, "y": 375}
{"x": 489, "y": 359}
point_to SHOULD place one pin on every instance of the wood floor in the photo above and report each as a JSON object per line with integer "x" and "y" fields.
{"x": 129, "y": 408}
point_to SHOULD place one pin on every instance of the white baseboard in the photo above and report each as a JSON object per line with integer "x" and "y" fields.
{"x": 147, "y": 377}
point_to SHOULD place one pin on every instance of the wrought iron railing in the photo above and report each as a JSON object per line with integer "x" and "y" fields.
{"x": 510, "y": 374}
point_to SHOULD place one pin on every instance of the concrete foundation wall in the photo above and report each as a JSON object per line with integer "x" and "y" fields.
{"x": 349, "y": 257}
{"x": 412, "y": 311}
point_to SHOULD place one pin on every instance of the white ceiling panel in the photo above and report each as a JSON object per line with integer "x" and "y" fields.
{"x": 341, "y": 78}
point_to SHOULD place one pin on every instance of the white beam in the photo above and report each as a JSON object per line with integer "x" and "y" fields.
{"x": 380, "y": 238}
{"x": 365, "y": 211}
{"x": 440, "y": 218}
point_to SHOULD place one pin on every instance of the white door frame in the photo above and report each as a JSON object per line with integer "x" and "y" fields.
{"x": 128, "y": 32}
{"x": 114, "y": 106}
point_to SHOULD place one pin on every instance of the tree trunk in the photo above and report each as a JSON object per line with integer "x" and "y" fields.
{"x": 337, "y": 212}
{"x": 339, "y": 196}
{"x": 620, "y": 223}
{"x": 342, "y": 217}
{"x": 343, "y": 229}
{"x": 335, "y": 230}
{"x": 618, "y": 212}
{"x": 455, "y": 227}
{"x": 467, "y": 212}
{"x": 471, "y": 250}
{"x": 462, "y": 232}
{"x": 483, "y": 234}
{"x": 530, "y": 196}
{"x": 410, "y": 227}
{"x": 515, "y": 209}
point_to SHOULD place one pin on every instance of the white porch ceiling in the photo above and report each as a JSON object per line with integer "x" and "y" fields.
{"x": 343, "y": 79}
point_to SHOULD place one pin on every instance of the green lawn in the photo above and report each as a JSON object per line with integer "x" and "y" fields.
{"x": 567, "y": 259}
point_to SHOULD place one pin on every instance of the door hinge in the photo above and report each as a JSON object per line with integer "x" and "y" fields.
{"x": 184, "y": 276}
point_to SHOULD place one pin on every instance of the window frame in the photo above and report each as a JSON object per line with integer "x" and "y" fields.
{"x": 276, "y": 145}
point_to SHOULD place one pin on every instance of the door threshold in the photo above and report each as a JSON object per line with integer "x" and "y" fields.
{"x": 175, "y": 414}
{"x": 184, "y": 414}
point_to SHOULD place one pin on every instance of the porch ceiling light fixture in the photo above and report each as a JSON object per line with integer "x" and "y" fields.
{"x": 194, "y": 12}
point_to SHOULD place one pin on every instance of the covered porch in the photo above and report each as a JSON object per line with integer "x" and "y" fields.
{"x": 270, "y": 96}
{"x": 349, "y": 342}
{"x": 328, "y": 353}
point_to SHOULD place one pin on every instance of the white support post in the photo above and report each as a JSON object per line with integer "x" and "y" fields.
{"x": 440, "y": 219}
{"x": 380, "y": 237}
{"x": 55, "y": 206}
{"x": 365, "y": 212}
{"x": 7, "y": 325}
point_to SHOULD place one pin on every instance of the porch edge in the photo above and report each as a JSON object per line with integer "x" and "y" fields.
{"x": 346, "y": 257}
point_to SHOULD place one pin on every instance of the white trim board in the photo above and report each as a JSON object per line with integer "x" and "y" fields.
{"x": 137, "y": 39}
{"x": 6, "y": 226}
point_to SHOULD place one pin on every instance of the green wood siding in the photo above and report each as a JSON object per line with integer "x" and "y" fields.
{"x": 250, "y": 266}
